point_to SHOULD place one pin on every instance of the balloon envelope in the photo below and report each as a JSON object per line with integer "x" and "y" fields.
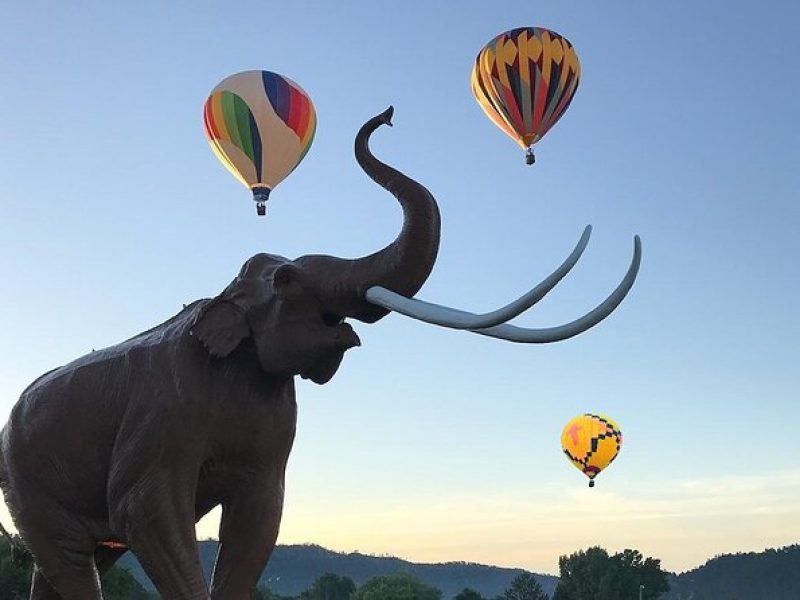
{"x": 260, "y": 125}
{"x": 591, "y": 443}
{"x": 524, "y": 80}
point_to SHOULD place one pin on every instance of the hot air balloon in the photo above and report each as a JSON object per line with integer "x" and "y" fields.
{"x": 524, "y": 80}
{"x": 260, "y": 125}
{"x": 591, "y": 443}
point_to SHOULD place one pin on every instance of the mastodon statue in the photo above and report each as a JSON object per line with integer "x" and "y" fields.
{"x": 129, "y": 446}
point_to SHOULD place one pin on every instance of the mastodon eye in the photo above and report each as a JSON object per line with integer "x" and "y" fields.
{"x": 332, "y": 320}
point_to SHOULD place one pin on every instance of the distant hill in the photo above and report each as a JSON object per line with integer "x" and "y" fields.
{"x": 770, "y": 575}
{"x": 292, "y": 569}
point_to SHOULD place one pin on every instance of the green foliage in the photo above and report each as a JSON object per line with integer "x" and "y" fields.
{"x": 330, "y": 587}
{"x": 399, "y": 586}
{"x": 119, "y": 584}
{"x": 15, "y": 579}
{"x": 581, "y": 574}
{"x": 644, "y": 571}
{"x": 524, "y": 587}
{"x": 266, "y": 594}
{"x": 745, "y": 575}
{"x": 468, "y": 594}
{"x": 594, "y": 574}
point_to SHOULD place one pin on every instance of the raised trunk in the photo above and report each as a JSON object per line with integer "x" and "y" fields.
{"x": 402, "y": 266}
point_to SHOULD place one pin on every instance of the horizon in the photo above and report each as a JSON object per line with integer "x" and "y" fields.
{"x": 432, "y": 443}
{"x": 511, "y": 567}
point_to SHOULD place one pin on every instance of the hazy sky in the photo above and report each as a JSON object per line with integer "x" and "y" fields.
{"x": 433, "y": 444}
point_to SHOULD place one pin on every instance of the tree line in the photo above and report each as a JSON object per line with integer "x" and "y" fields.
{"x": 773, "y": 573}
{"x": 592, "y": 573}
{"x": 402, "y": 586}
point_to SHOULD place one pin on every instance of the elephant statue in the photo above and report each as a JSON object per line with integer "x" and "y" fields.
{"x": 129, "y": 446}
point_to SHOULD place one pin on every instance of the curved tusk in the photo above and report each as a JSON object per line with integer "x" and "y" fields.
{"x": 459, "y": 319}
{"x": 590, "y": 319}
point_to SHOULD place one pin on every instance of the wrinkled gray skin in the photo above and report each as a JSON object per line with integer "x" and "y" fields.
{"x": 135, "y": 443}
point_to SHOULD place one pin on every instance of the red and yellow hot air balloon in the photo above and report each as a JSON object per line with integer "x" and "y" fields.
{"x": 260, "y": 125}
{"x": 524, "y": 80}
{"x": 591, "y": 443}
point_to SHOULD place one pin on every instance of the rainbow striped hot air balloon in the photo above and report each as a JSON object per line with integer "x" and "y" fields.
{"x": 524, "y": 80}
{"x": 260, "y": 125}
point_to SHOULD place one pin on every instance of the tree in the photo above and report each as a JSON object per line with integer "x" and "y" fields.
{"x": 468, "y": 594}
{"x": 580, "y": 574}
{"x": 399, "y": 586}
{"x": 524, "y": 587}
{"x": 594, "y": 574}
{"x": 330, "y": 587}
{"x": 266, "y": 594}
{"x": 119, "y": 584}
{"x": 644, "y": 571}
{"x": 15, "y": 578}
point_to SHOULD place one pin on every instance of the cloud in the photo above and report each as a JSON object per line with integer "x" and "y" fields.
{"x": 682, "y": 521}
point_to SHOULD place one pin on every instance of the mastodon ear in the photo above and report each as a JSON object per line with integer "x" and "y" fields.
{"x": 287, "y": 279}
{"x": 221, "y": 325}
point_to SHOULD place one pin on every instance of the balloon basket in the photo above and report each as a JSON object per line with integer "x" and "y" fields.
{"x": 529, "y": 157}
{"x": 591, "y": 483}
{"x": 261, "y": 195}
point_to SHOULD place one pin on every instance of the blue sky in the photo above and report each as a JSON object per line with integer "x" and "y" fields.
{"x": 435, "y": 444}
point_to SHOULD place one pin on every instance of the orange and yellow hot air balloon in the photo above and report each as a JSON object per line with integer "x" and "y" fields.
{"x": 591, "y": 443}
{"x": 524, "y": 80}
{"x": 260, "y": 125}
